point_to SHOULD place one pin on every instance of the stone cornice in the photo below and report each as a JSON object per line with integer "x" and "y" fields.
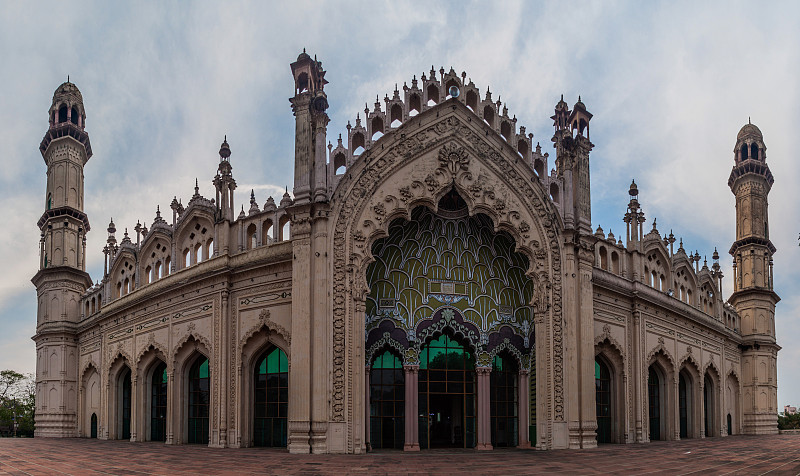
{"x": 639, "y": 291}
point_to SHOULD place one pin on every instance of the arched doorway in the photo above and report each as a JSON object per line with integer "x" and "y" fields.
{"x": 685, "y": 400}
{"x": 504, "y": 389}
{"x": 387, "y": 402}
{"x": 446, "y": 395}
{"x": 124, "y": 404}
{"x": 730, "y": 425}
{"x": 198, "y": 401}
{"x": 603, "y": 399}
{"x": 655, "y": 397}
{"x": 708, "y": 406}
{"x": 93, "y": 431}
{"x": 158, "y": 403}
{"x": 271, "y": 398}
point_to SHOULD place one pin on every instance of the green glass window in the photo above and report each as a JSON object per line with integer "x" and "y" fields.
{"x": 504, "y": 398}
{"x": 199, "y": 399}
{"x": 158, "y": 403}
{"x": 654, "y": 400}
{"x": 387, "y": 402}
{"x": 447, "y": 395}
{"x": 602, "y": 383}
{"x": 125, "y": 407}
{"x": 271, "y": 399}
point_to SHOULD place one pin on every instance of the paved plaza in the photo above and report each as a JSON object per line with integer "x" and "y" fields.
{"x": 732, "y": 455}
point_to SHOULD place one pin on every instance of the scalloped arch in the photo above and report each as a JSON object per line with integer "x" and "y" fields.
{"x": 191, "y": 334}
{"x": 659, "y": 348}
{"x": 414, "y": 168}
{"x": 384, "y": 342}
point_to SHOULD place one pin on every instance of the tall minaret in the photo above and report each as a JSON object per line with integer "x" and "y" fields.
{"x": 62, "y": 278}
{"x": 753, "y": 296}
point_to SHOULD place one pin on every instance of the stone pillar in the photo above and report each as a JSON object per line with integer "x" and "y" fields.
{"x": 134, "y": 404}
{"x": 675, "y": 404}
{"x": 702, "y": 407}
{"x": 411, "y": 373}
{"x": 640, "y": 397}
{"x": 523, "y": 411}
{"x": 223, "y": 360}
{"x": 484, "y": 409}
{"x": 171, "y": 407}
{"x": 367, "y": 426}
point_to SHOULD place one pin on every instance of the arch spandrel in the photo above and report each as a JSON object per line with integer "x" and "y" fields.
{"x": 443, "y": 148}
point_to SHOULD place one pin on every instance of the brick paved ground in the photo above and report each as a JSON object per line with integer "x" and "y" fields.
{"x": 732, "y": 455}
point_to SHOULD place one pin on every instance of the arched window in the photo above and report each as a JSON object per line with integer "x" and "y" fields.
{"x": 166, "y": 266}
{"x": 472, "y": 100}
{"x": 157, "y": 272}
{"x": 266, "y": 232}
{"x": 447, "y": 395}
{"x": 287, "y": 230}
{"x": 655, "y": 403}
{"x": 488, "y": 115}
{"x": 685, "y": 401}
{"x": 414, "y": 105}
{"x": 49, "y": 201}
{"x": 396, "y": 116}
{"x": 187, "y": 258}
{"x": 358, "y": 143}
{"x": 127, "y": 286}
{"x": 198, "y": 402}
{"x": 387, "y": 402}
{"x": 88, "y": 309}
{"x": 504, "y": 401}
{"x": 603, "y": 257}
{"x": 251, "y": 241}
{"x": 124, "y": 405}
{"x": 271, "y": 398}
{"x": 339, "y": 164}
{"x": 433, "y": 94}
{"x": 118, "y": 293}
{"x": 149, "y": 275}
{"x": 377, "y": 127}
{"x": 754, "y": 151}
{"x": 198, "y": 252}
{"x": 158, "y": 403}
{"x": 93, "y": 431}
{"x": 708, "y": 406}
{"x": 62, "y": 114}
{"x": 522, "y": 148}
{"x": 94, "y": 305}
{"x": 614, "y": 262}
{"x": 743, "y": 152}
{"x": 74, "y": 116}
{"x": 209, "y": 248}
{"x": 538, "y": 167}
{"x": 505, "y": 130}
{"x": 603, "y": 401}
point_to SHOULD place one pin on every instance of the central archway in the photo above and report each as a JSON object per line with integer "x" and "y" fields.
{"x": 444, "y": 149}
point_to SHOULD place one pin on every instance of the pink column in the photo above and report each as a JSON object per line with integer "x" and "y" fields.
{"x": 524, "y": 411}
{"x": 411, "y": 408}
{"x": 367, "y": 420}
{"x": 484, "y": 410}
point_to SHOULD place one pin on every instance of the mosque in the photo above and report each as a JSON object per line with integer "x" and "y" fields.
{"x": 434, "y": 280}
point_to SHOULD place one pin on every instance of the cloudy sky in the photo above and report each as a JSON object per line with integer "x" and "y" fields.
{"x": 669, "y": 85}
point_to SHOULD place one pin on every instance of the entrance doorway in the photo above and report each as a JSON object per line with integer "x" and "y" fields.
{"x": 446, "y": 395}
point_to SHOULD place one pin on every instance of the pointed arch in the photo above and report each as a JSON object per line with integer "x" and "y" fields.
{"x": 435, "y": 155}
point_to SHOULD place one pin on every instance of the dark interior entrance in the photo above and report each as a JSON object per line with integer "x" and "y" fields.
{"x": 446, "y": 395}
{"x": 446, "y": 420}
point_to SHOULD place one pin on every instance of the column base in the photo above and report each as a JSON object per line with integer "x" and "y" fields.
{"x": 299, "y": 437}
{"x": 411, "y": 447}
{"x": 484, "y": 447}
{"x": 525, "y": 445}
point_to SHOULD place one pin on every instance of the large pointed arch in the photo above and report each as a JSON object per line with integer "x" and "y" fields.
{"x": 443, "y": 148}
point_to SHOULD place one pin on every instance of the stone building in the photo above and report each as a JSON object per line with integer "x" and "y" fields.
{"x": 435, "y": 280}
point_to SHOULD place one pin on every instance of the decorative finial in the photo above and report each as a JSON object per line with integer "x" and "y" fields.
{"x": 67, "y": 78}
{"x": 748, "y": 120}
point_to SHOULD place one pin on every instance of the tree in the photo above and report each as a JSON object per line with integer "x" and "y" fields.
{"x": 17, "y": 403}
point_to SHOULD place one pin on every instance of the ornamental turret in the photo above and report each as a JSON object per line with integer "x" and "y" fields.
{"x": 753, "y": 296}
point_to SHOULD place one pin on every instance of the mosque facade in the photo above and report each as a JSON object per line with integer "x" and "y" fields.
{"x": 434, "y": 280}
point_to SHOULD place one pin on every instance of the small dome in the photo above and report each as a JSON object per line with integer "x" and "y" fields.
{"x": 303, "y": 56}
{"x": 749, "y": 131}
{"x": 68, "y": 93}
